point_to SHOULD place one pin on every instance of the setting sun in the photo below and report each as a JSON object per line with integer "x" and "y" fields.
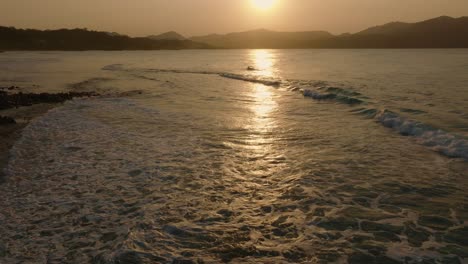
{"x": 263, "y": 4}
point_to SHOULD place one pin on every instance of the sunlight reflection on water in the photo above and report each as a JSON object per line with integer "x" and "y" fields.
{"x": 264, "y": 61}
{"x": 264, "y": 103}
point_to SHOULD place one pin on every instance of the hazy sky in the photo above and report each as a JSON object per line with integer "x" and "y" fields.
{"x": 197, "y": 17}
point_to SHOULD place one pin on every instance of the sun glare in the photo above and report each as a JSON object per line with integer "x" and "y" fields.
{"x": 263, "y": 4}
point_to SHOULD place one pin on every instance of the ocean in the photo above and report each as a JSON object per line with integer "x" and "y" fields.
{"x": 308, "y": 156}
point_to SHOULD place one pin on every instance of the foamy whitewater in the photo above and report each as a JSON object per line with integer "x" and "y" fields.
{"x": 315, "y": 156}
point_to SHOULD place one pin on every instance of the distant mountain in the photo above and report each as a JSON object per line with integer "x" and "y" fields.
{"x": 82, "y": 39}
{"x": 171, "y": 35}
{"x": 390, "y": 28}
{"x": 262, "y": 38}
{"x": 441, "y": 32}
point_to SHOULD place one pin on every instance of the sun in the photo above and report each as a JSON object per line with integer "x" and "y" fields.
{"x": 263, "y": 4}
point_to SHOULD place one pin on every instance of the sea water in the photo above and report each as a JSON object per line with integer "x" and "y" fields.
{"x": 309, "y": 156}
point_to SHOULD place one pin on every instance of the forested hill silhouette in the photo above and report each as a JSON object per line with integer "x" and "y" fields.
{"x": 83, "y": 39}
{"x": 441, "y": 32}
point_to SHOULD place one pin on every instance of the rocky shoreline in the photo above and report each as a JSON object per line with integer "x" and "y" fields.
{"x": 15, "y": 100}
{"x": 17, "y": 108}
{"x": 19, "y": 99}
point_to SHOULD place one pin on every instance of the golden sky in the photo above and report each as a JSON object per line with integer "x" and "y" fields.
{"x": 198, "y": 17}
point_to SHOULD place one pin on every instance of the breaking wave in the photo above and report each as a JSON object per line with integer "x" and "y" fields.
{"x": 445, "y": 143}
{"x": 448, "y": 144}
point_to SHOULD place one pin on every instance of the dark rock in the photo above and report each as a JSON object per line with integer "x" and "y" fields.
{"x": 435, "y": 222}
{"x": 26, "y": 99}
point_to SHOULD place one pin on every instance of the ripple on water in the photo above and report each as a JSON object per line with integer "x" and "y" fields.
{"x": 123, "y": 193}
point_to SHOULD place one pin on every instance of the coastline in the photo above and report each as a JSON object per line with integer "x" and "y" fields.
{"x": 10, "y": 133}
{"x": 18, "y": 107}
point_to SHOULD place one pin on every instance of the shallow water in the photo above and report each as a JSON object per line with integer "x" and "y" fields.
{"x": 314, "y": 157}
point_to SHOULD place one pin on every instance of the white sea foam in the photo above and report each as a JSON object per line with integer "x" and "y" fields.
{"x": 338, "y": 97}
{"x": 252, "y": 78}
{"x": 317, "y": 95}
{"x": 241, "y": 77}
{"x": 437, "y": 139}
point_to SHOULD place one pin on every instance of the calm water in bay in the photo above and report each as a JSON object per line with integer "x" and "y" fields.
{"x": 315, "y": 156}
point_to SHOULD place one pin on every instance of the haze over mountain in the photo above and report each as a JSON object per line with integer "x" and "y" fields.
{"x": 263, "y": 38}
{"x": 441, "y": 32}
